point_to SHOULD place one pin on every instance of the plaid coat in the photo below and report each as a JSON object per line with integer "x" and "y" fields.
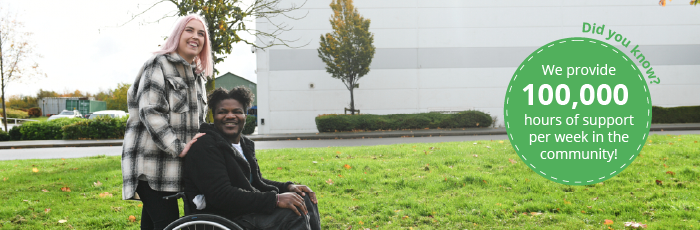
{"x": 166, "y": 105}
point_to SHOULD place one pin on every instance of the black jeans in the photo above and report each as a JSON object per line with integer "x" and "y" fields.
{"x": 157, "y": 213}
{"x": 283, "y": 218}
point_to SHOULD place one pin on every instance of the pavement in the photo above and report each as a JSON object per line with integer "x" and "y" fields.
{"x": 321, "y": 136}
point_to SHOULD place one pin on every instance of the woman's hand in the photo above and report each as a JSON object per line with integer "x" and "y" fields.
{"x": 189, "y": 144}
{"x": 292, "y": 201}
{"x": 303, "y": 189}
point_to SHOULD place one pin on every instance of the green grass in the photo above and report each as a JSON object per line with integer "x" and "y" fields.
{"x": 42, "y": 118}
{"x": 393, "y": 187}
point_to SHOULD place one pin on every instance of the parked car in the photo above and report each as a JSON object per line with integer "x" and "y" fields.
{"x": 66, "y": 113}
{"x": 109, "y": 113}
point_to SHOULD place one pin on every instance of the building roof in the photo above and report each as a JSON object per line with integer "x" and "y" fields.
{"x": 229, "y": 74}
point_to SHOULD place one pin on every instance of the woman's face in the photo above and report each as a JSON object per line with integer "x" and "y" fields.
{"x": 191, "y": 40}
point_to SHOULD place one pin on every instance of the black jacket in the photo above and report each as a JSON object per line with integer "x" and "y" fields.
{"x": 212, "y": 167}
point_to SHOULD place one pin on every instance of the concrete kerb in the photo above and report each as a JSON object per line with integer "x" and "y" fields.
{"x": 321, "y": 136}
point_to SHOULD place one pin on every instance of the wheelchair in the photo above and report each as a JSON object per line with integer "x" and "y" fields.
{"x": 199, "y": 221}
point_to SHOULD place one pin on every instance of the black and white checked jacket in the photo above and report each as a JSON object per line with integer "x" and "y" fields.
{"x": 167, "y": 102}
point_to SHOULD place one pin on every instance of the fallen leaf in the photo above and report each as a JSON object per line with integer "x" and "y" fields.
{"x": 97, "y": 184}
{"x": 397, "y": 210}
{"x": 63, "y": 159}
{"x": 474, "y": 142}
{"x": 329, "y": 181}
{"x": 347, "y": 166}
{"x": 314, "y": 162}
{"x": 337, "y": 152}
{"x": 696, "y": 141}
{"x": 476, "y": 155}
{"x": 595, "y": 198}
{"x": 279, "y": 168}
{"x": 500, "y": 142}
{"x": 340, "y": 175}
{"x": 44, "y": 190}
{"x": 670, "y": 143}
{"x": 4, "y": 179}
{"x": 670, "y": 172}
{"x": 405, "y": 217}
{"x": 105, "y": 194}
{"x": 65, "y": 189}
{"x": 582, "y": 211}
{"x": 608, "y": 222}
{"x": 665, "y": 166}
{"x": 635, "y": 225}
{"x": 535, "y": 213}
{"x": 361, "y": 223}
{"x": 488, "y": 147}
{"x": 35, "y": 170}
{"x": 511, "y": 161}
{"x": 485, "y": 182}
{"x": 140, "y": 205}
{"x": 62, "y": 221}
{"x": 658, "y": 182}
{"x": 132, "y": 218}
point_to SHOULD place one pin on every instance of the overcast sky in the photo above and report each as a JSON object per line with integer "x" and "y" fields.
{"x": 83, "y": 48}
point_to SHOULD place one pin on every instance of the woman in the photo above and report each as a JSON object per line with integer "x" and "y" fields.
{"x": 166, "y": 105}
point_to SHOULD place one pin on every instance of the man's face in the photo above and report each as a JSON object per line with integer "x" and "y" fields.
{"x": 229, "y": 118}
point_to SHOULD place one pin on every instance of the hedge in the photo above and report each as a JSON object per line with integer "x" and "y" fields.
{"x": 15, "y": 135}
{"x": 249, "y": 124}
{"x": 13, "y": 113}
{"x": 683, "y": 114}
{"x": 4, "y": 136}
{"x": 46, "y": 130}
{"x": 98, "y": 128}
{"x": 368, "y": 122}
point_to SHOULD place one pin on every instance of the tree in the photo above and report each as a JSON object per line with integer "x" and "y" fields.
{"x": 117, "y": 100}
{"x": 348, "y": 50}
{"x": 16, "y": 54}
{"x": 692, "y": 2}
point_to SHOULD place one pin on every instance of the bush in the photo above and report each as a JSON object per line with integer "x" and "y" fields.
{"x": 13, "y": 113}
{"x": 98, "y": 128}
{"x": 683, "y": 114}
{"x": 14, "y": 133}
{"x": 249, "y": 124}
{"x": 4, "y": 136}
{"x": 46, "y": 130}
{"x": 341, "y": 122}
{"x": 332, "y": 122}
{"x": 34, "y": 112}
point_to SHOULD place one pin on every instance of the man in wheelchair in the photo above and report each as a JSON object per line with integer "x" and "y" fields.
{"x": 221, "y": 174}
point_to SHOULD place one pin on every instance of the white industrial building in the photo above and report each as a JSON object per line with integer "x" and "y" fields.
{"x": 452, "y": 55}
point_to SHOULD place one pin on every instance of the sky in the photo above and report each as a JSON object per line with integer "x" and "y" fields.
{"x": 85, "y": 48}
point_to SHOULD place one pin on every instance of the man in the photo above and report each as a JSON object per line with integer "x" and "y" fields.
{"x": 221, "y": 173}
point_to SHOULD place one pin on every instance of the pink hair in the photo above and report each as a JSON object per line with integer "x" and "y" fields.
{"x": 204, "y": 60}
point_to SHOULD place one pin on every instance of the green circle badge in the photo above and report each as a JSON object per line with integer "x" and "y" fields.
{"x": 577, "y": 111}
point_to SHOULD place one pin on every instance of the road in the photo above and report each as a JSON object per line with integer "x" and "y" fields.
{"x": 75, "y": 152}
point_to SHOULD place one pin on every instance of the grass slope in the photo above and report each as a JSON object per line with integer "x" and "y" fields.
{"x": 458, "y": 185}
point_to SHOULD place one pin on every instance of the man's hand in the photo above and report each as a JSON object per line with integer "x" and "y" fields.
{"x": 303, "y": 189}
{"x": 292, "y": 201}
{"x": 189, "y": 144}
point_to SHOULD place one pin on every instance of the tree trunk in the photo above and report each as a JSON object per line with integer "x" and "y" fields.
{"x": 4, "y": 111}
{"x": 2, "y": 85}
{"x": 352, "y": 99}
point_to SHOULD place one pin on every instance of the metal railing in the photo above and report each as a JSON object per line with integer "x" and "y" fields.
{"x": 15, "y": 120}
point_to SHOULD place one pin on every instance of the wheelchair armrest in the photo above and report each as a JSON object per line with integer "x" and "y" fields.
{"x": 175, "y": 196}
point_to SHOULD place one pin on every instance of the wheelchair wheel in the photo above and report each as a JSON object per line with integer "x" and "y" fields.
{"x": 204, "y": 222}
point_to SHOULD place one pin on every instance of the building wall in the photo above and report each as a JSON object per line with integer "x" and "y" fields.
{"x": 461, "y": 54}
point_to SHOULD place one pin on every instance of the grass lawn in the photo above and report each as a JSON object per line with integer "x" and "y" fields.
{"x": 42, "y": 118}
{"x": 458, "y": 185}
